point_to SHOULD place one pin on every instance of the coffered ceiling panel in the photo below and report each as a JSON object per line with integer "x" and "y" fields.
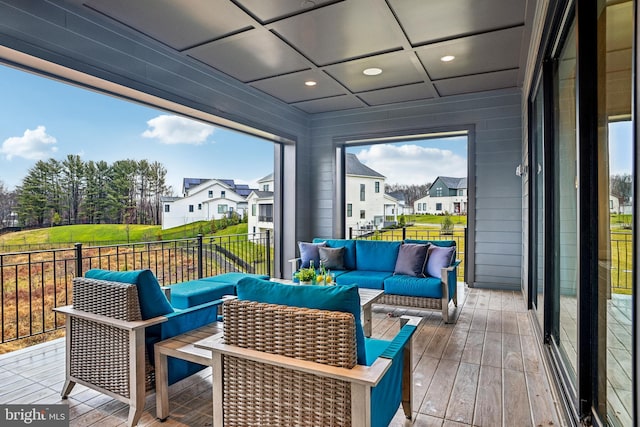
{"x": 178, "y": 24}
{"x": 251, "y": 55}
{"x": 477, "y": 83}
{"x": 343, "y": 102}
{"x": 341, "y": 31}
{"x": 426, "y": 21}
{"x": 275, "y": 46}
{"x": 292, "y": 87}
{"x": 397, "y": 69}
{"x": 498, "y": 50}
{"x": 397, "y": 94}
{"x": 269, "y": 10}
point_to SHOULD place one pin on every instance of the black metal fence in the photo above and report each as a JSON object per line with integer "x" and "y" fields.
{"x": 35, "y": 282}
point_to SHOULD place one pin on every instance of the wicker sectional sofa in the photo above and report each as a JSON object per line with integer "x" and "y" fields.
{"x": 413, "y": 273}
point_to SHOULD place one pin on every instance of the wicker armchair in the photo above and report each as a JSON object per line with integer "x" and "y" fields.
{"x": 296, "y": 366}
{"x": 109, "y": 340}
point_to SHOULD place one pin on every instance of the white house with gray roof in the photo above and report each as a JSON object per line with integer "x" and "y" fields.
{"x": 203, "y": 200}
{"x": 446, "y": 195}
{"x": 366, "y": 203}
{"x": 260, "y": 208}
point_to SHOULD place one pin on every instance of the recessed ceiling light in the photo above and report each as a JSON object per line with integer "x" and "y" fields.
{"x": 310, "y": 83}
{"x": 447, "y": 58}
{"x": 372, "y": 71}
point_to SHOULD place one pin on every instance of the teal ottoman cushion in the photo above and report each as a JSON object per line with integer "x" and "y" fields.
{"x": 196, "y": 292}
{"x": 233, "y": 277}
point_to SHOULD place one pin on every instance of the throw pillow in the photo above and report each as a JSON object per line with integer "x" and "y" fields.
{"x": 438, "y": 258}
{"x": 332, "y": 258}
{"x": 309, "y": 252}
{"x": 411, "y": 259}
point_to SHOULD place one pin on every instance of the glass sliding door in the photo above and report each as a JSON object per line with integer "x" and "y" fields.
{"x": 614, "y": 400}
{"x": 565, "y": 236}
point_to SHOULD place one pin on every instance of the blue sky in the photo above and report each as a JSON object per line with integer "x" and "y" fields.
{"x": 45, "y": 119}
{"x": 42, "y": 118}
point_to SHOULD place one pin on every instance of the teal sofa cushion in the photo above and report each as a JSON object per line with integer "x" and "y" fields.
{"x": 333, "y": 298}
{"x": 428, "y": 287}
{"x": 364, "y": 279}
{"x": 374, "y": 255}
{"x": 152, "y": 300}
{"x": 349, "y": 250}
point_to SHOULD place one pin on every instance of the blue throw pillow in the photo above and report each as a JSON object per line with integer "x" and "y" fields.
{"x": 309, "y": 252}
{"x": 152, "y": 300}
{"x": 411, "y": 259}
{"x": 438, "y": 258}
{"x": 333, "y": 298}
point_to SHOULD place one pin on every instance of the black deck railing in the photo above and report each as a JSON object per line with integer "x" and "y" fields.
{"x": 35, "y": 282}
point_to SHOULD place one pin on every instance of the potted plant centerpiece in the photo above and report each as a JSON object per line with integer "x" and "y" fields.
{"x": 306, "y": 275}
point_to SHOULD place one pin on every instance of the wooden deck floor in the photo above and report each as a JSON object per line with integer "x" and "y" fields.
{"x": 484, "y": 370}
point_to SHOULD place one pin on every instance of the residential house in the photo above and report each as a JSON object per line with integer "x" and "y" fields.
{"x": 535, "y": 83}
{"x": 446, "y": 195}
{"x": 260, "y": 208}
{"x": 366, "y": 204}
{"x": 203, "y": 200}
{"x": 403, "y": 207}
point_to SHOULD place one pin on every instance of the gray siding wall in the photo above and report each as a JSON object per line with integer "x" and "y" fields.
{"x": 495, "y": 151}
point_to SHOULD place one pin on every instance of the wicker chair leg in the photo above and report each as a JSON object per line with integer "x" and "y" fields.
{"x": 66, "y": 389}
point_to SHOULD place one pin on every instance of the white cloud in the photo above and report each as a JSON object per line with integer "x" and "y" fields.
{"x": 412, "y": 164}
{"x": 177, "y": 130}
{"x": 35, "y": 144}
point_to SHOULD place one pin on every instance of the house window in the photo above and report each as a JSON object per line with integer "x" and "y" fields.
{"x": 253, "y": 209}
{"x": 438, "y": 206}
{"x": 210, "y": 193}
{"x": 439, "y": 192}
{"x": 362, "y": 214}
{"x": 223, "y": 194}
{"x": 377, "y": 186}
{"x": 167, "y": 208}
{"x": 349, "y": 210}
{"x": 222, "y": 208}
{"x": 362, "y": 192}
{"x": 460, "y": 192}
{"x": 190, "y": 208}
{"x": 199, "y": 206}
{"x": 265, "y": 187}
{"x": 424, "y": 207}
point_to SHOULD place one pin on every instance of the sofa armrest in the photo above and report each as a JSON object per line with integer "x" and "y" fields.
{"x": 110, "y": 321}
{"x": 366, "y": 375}
{"x": 295, "y": 264}
{"x": 185, "y": 320}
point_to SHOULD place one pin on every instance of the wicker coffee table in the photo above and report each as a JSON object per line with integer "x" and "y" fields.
{"x": 367, "y": 298}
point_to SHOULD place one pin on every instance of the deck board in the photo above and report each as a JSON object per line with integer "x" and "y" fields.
{"x": 483, "y": 370}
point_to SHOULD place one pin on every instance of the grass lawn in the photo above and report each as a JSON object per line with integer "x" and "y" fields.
{"x": 84, "y": 233}
{"x": 435, "y": 219}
